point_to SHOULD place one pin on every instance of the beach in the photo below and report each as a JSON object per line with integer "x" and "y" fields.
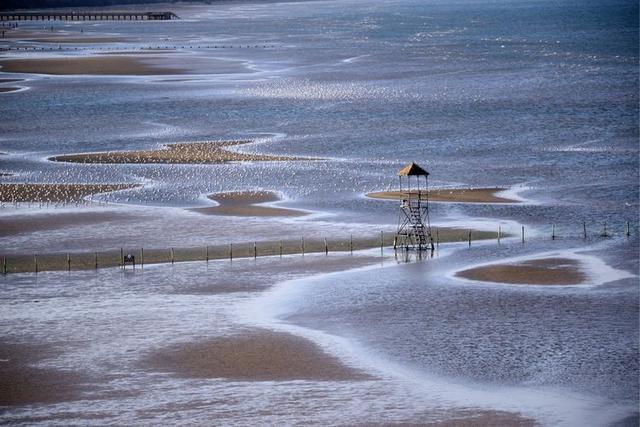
{"x": 244, "y": 161}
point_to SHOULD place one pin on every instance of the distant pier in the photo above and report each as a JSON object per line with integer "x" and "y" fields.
{"x": 87, "y": 16}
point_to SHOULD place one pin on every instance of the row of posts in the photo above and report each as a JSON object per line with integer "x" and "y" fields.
{"x": 604, "y": 233}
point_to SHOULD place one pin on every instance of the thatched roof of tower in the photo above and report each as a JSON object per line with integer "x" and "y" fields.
{"x": 413, "y": 169}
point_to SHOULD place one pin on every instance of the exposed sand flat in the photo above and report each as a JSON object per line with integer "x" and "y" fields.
{"x": 123, "y": 65}
{"x": 11, "y": 225}
{"x": 246, "y": 203}
{"x": 23, "y": 384}
{"x": 547, "y": 271}
{"x": 460, "y": 195}
{"x": 182, "y": 153}
{"x": 55, "y": 193}
{"x": 9, "y": 89}
{"x": 257, "y": 355}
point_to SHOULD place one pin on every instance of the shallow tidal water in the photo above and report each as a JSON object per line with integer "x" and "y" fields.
{"x": 538, "y": 97}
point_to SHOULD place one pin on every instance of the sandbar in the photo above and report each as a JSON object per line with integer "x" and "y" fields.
{"x": 256, "y": 355}
{"x": 22, "y": 383}
{"x": 121, "y": 65}
{"x": 55, "y": 193}
{"x": 9, "y": 89}
{"x": 454, "y": 195}
{"x": 10, "y": 81}
{"x": 247, "y": 203}
{"x": 209, "y": 152}
{"x": 546, "y": 271}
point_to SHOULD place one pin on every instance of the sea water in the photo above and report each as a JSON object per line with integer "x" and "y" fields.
{"x": 540, "y": 97}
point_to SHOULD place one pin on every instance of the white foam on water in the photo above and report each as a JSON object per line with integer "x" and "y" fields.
{"x": 548, "y": 405}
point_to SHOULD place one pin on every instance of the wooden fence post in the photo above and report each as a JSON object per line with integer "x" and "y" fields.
{"x": 172, "y": 256}
{"x": 553, "y": 232}
{"x": 121, "y": 257}
{"x": 499, "y": 232}
{"x": 231, "y": 251}
{"x": 627, "y": 229}
{"x": 584, "y": 230}
{"x": 469, "y": 237}
{"x": 280, "y": 248}
{"x": 523, "y": 234}
{"x": 351, "y": 243}
{"x": 326, "y": 247}
{"x": 604, "y": 231}
{"x": 142, "y": 258}
{"x": 381, "y": 241}
{"x": 95, "y": 260}
{"x": 4, "y": 265}
{"x": 302, "y": 241}
{"x": 207, "y": 253}
{"x": 68, "y": 262}
{"x": 255, "y": 250}
{"x": 35, "y": 261}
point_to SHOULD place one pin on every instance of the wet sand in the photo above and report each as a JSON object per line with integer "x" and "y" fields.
{"x": 246, "y": 203}
{"x": 547, "y": 271}
{"x": 10, "y": 81}
{"x": 258, "y": 277}
{"x": 209, "y": 152}
{"x": 123, "y": 65}
{"x": 139, "y": 52}
{"x": 21, "y": 383}
{"x": 55, "y": 193}
{"x": 45, "y": 36}
{"x": 458, "y": 195}
{"x": 11, "y": 225}
{"x": 469, "y": 418}
{"x": 84, "y": 259}
{"x": 256, "y": 355}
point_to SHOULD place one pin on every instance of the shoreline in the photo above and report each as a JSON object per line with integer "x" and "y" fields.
{"x": 351, "y": 353}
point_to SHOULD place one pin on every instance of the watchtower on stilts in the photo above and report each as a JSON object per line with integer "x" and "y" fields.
{"x": 414, "y": 229}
